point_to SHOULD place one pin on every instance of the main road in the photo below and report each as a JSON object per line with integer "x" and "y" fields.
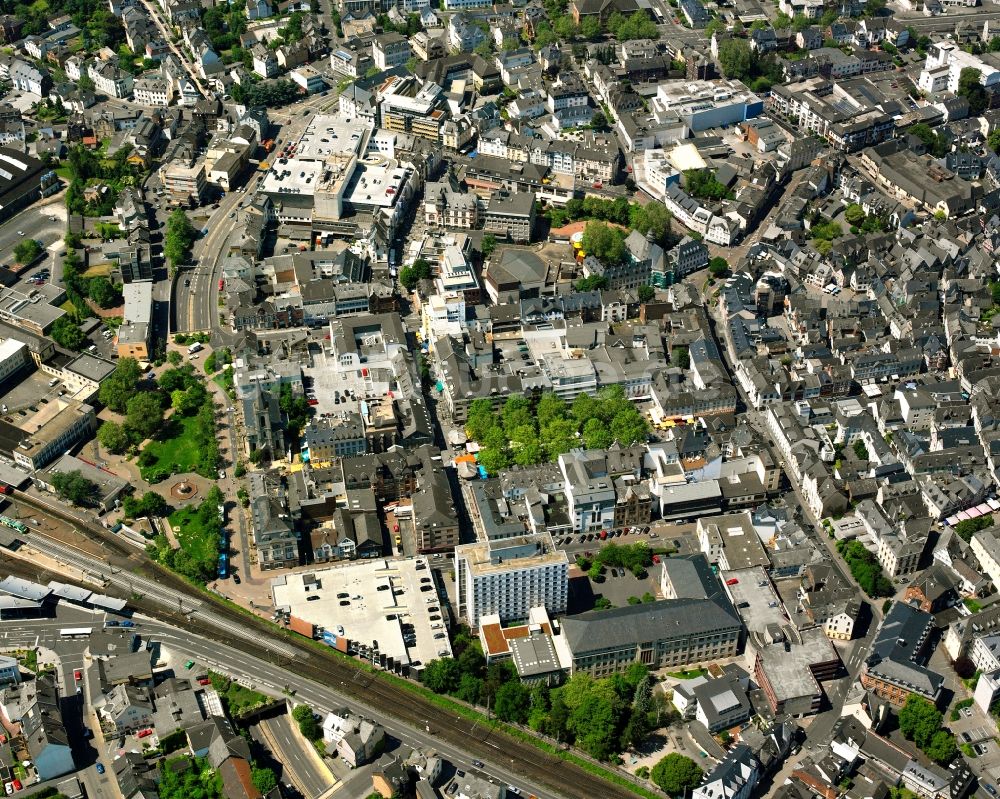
{"x": 277, "y": 660}
{"x": 196, "y": 306}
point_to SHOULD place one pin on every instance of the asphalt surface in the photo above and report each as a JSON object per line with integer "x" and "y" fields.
{"x": 238, "y": 644}
{"x": 196, "y": 306}
{"x": 300, "y": 766}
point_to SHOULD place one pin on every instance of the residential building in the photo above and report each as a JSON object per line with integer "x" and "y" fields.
{"x": 508, "y": 577}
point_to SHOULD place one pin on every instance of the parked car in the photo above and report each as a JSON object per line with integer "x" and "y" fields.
{"x": 100, "y": 768}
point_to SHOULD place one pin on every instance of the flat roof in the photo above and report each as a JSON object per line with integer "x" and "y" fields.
{"x": 788, "y": 666}
{"x": 763, "y": 605}
{"x": 91, "y": 366}
{"x": 138, "y": 302}
{"x": 479, "y": 554}
{"x": 535, "y": 654}
{"x": 328, "y": 135}
{"x": 374, "y": 589}
{"x": 293, "y": 176}
{"x": 375, "y": 186}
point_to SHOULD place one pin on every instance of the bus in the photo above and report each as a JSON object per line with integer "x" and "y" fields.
{"x": 75, "y": 632}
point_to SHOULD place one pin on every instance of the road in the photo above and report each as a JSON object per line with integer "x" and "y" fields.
{"x": 266, "y": 678}
{"x": 251, "y": 646}
{"x": 196, "y": 305}
{"x": 301, "y": 767}
{"x": 168, "y": 37}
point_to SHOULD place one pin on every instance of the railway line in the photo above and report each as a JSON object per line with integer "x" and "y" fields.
{"x": 217, "y": 621}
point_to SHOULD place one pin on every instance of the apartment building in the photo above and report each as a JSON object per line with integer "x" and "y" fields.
{"x": 508, "y": 577}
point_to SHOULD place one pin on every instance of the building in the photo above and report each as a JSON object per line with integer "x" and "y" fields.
{"x": 135, "y": 333}
{"x": 23, "y": 180}
{"x": 309, "y": 78}
{"x": 707, "y": 104}
{"x": 355, "y": 739}
{"x": 734, "y": 778}
{"x": 408, "y": 106}
{"x": 334, "y": 436}
{"x": 986, "y": 547}
{"x": 789, "y": 671}
{"x": 184, "y": 180}
{"x": 731, "y": 542}
{"x": 511, "y": 216}
{"x": 55, "y": 428}
{"x": 390, "y": 50}
{"x": 674, "y": 633}
{"x": 896, "y": 663}
{"x": 509, "y": 577}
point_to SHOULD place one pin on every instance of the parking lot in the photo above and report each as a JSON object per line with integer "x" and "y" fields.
{"x": 391, "y": 606}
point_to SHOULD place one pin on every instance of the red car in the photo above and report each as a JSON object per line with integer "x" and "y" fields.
{"x": 656, "y": 558}
{"x": 77, "y": 675}
{"x": 144, "y": 733}
{"x": 204, "y": 681}
{"x": 17, "y": 785}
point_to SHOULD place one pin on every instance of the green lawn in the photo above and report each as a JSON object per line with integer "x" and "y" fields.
{"x": 688, "y": 674}
{"x": 199, "y": 541}
{"x": 175, "y": 454}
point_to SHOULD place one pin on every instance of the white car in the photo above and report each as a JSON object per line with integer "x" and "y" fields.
{"x": 513, "y": 789}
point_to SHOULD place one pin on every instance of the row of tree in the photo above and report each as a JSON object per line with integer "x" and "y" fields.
{"x": 530, "y": 430}
{"x": 602, "y": 717}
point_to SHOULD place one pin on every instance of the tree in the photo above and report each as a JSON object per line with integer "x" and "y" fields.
{"x": 941, "y": 748}
{"x": 489, "y": 244}
{"x": 598, "y": 120}
{"x": 854, "y": 214}
{"x": 409, "y": 276}
{"x": 511, "y": 702}
{"x": 604, "y": 242}
{"x": 651, "y": 220}
{"x": 718, "y": 266}
{"x": 74, "y": 487}
{"x": 120, "y": 385}
{"x": 702, "y": 183}
{"x": 442, "y": 676}
{"x": 179, "y": 237}
{"x": 144, "y": 414}
{"x": 969, "y": 527}
{"x": 113, "y": 437}
{"x": 971, "y": 88}
{"x": 597, "y": 435}
{"x": 676, "y": 774}
{"x": 27, "y": 251}
{"x": 590, "y": 28}
{"x": 736, "y": 58}
{"x": 591, "y": 283}
{"x": 919, "y": 720}
{"x": 68, "y": 334}
{"x": 104, "y": 292}
{"x": 680, "y": 357}
{"x": 646, "y": 293}
{"x": 308, "y": 725}
{"x": 263, "y": 779}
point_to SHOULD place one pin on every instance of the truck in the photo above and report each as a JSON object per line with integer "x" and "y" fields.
{"x": 196, "y": 347}
{"x": 222, "y": 283}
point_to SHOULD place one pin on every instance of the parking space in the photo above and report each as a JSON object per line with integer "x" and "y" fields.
{"x": 28, "y": 395}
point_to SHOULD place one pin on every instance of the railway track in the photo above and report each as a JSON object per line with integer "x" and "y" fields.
{"x": 217, "y": 621}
